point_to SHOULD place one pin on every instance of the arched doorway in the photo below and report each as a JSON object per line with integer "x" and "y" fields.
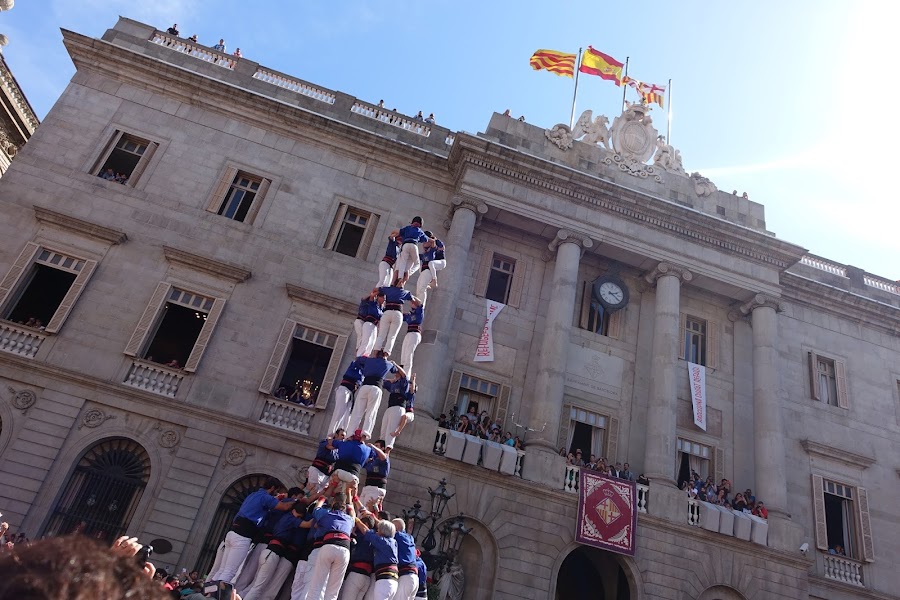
{"x": 224, "y": 515}
{"x": 103, "y": 491}
{"x": 587, "y": 568}
{"x": 721, "y": 592}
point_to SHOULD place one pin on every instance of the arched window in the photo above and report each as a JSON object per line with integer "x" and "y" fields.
{"x": 225, "y": 513}
{"x": 102, "y": 493}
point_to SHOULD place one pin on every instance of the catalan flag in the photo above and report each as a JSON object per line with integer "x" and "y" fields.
{"x": 650, "y": 92}
{"x": 560, "y": 63}
{"x": 594, "y": 62}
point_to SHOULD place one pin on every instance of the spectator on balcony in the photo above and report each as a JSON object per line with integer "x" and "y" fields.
{"x": 616, "y": 471}
{"x": 739, "y": 502}
{"x": 237, "y": 53}
{"x": 220, "y": 47}
{"x": 749, "y": 497}
{"x": 760, "y": 510}
{"x": 419, "y": 116}
{"x": 626, "y": 473}
{"x": 519, "y": 444}
{"x": 443, "y": 421}
{"x": 508, "y": 439}
{"x": 562, "y": 452}
{"x": 570, "y": 459}
{"x": 108, "y": 174}
{"x": 173, "y": 30}
{"x": 726, "y": 484}
{"x": 429, "y": 119}
{"x": 642, "y": 479}
{"x": 837, "y": 550}
{"x": 193, "y": 38}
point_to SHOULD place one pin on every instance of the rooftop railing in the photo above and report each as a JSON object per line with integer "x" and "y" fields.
{"x": 391, "y": 118}
{"x": 294, "y": 85}
{"x": 196, "y": 50}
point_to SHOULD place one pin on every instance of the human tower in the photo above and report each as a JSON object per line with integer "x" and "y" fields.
{"x": 337, "y": 539}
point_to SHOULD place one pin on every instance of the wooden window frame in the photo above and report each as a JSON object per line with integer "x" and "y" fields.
{"x": 610, "y": 446}
{"x": 224, "y": 183}
{"x": 112, "y": 141}
{"x": 517, "y": 283}
{"x": 613, "y": 322}
{"x": 861, "y": 518}
{"x": 712, "y": 340}
{"x": 365, "y": 244}
{"x": 501, "y": 400}
{"x": 716, "y": 457}
{"x": 840, "y": 378}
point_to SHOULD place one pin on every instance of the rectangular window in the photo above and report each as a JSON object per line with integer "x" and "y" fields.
{"x": 594, "y": 317}
{"x": 843, "y": 525}
{"x": 586, "y": 433}
{"x": 307, "y": 361}
{"x": 183, "y": 316}
{"x": 828, "y": 380}
{"x": 351, "y": 232}
{"x": 126, "y": 159}
{"x": 695, "y": 340}
{"x": 500, "y": 279}
{"x": 692, "y": 458}
{"x": 239, "y": 198}
{"x": 477, "y": 398}
{"x": 42, "y": 286}
{"x": 839, "y": 518}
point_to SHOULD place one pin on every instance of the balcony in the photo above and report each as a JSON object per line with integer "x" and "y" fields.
{"x": 843, "y": 569}
{"x": 153, "y": 377}
{"x": 476, "y": 451}
{"x": 20, "y": 340}
{"x": 185, "y": 46}
{"x": 572, "y": 480}
{"x": 726, "y": 521}
{"x": 287, "y": 415}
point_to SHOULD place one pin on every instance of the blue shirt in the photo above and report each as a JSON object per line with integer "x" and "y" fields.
{"x": 395, "y": 295}
{"x": 363, "y": 309}
{"x": 427, "y": 256}
{"x": 257, "y": 505}
{"x": 399, "y": 386}
{"x": 326, "y": 454}
{"x": 362, "y": 551}
{"x": 413, "y": 234}
{"x": 392, "y": 248}
{"x": 385, "y": 549}
{"x": 285, "y": 526}
{"x": 423, "y": 578}
{"x": 406, "y": 548}
{"x": 373, "y": 309}
{"x": 378, "y": 367}
{"x": 352, "y": 451}
{"x": 329, "y": 521}
{"x": 377, "y": 470}
{"x": 354, "y": 373}
{"x": 415, "y": 316}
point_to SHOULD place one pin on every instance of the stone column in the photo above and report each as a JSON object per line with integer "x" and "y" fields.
{"x": 433, "y": 356}
{"x": 659, "y": 455}
{"x": 768, "y": 433}
{"x": 542, "y": 462}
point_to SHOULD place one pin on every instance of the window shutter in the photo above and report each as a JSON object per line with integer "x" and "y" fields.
{"x": 813, "y": 376}
{"x": 71, "y": 297}
{"x": 368, "y": 235}
{"x": 484, "y": 271}
{"x": 259, "y": 199}
{"x": 719, "y": 467}
{"x": 205, "y": 334}
{"x": 335, "y": 227}
{"x": 615, "y": 324}
{"x": 819, "y": 512}
{"x": 142, "y": 164}
{"x": 107, "y": 150}
{"x": 585, "y": 306}
{"x": 337, "y": 356}
{"x": 865, "y": 527}
{"x": 518, "y": 284}
{"x": 612, "y": 444}
{"x": 218, "y": 193}
{"x": 14, "y": 275}
{"x": 157, "y": 300}
{"x": 503, "y": 405}
{"x": 681, "y": 354}
{"x": 452, "y": 392}
{"x": 840, "y": 380}
{"x": 564, "y": 423}
{"x": 712, "y": 346}
{"x": 282, "y": 344}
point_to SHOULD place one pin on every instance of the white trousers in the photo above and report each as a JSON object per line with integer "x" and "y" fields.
{"x": 315, "y": 479}
{"x": 247, "y": 573}
{"x": 385, "y": 274}
{"x": 298, "y": 587}
{"x": 327, "y": 574}
{"x": 370, "y": 495}
{"x": 368, "y": 399}
{"x": 407, "y": 259}
{"x": 271, "y": 571}
{"x": 217, "y": 562}
{"x": 236, "y": 548}
{"x": 389, "y": 423}
{"x": 357, "y": 328}
{"x": 307, "y": 575}
{"x": 382, "y": 589}
{"x": 343, "y": 401}
{"x": 427, "y": 276}
{"x": 365, "y": 341}
{"x": 388, "y": 328}
{"x": 407, "y": 586}
{"x": 410, "y": 342}
{"x": 355, "y": 586}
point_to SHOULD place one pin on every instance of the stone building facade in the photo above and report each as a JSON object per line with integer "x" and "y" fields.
{"x": 253, "y": 213}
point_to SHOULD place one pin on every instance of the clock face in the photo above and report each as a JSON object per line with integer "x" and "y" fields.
{"x": 611, "y": 293}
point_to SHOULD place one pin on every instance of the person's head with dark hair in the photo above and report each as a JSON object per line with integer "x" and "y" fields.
{"x": 294, "y": 492}
{"x": 384, "y": 515}
{"x": 339, "y": 502}
{"x": 271, "y": 484}
{"x": 73, "y": 568}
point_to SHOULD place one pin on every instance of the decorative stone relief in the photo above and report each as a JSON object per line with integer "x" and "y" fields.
{"x": 587, "y": 129}
{"x": 702, "y": 185}
{"x": 235, "y": 455}
{"x": 633, "y": 135}
{"x": 667, "y": 157}
{"x": 22, "y": 399}
{"x": 664, "y": 268}
{"x": 94, "y": 417}
{"x": 169, "y": 438}
{"x": 632, "y": 167}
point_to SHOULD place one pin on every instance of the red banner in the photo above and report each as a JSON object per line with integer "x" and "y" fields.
{"x": 607, "y": 513}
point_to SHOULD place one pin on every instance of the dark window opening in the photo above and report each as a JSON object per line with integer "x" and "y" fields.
{"x": 240, "y": 197}
{"x": 838, "y": 524}
{"x": 582, "y": 439}
{"x": 598, "y": 319}
{"x": 304, "y": 372}
{"x": 350, "y": 235}
{"x": 123, "y": 159}
{"x": 175, "y": 336}
{"x": 42, "y": 294}
{"x": 499, "y": 279}
{"x": 695, "y": 341}
{"x": 684, "y": 469}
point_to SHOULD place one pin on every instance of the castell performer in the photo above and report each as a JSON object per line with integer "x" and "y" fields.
{"x": 408, "y": 583}
{"x": 352, "y": 455}
{"x": 408, "y": 261}
{"x": 333, "y": 529}
{"x": 368, "y": 398}
{"x": 247, "y": 571}
{"x": 279, "y": 557}
{"x": 385, "y": 549}
{"x": 251, "y": 513}
{"x": 392, "y": 318}
{"x": 423, "y": 576}
{"x": 343, "y": 394}
{"x": 413, "y": 335}
{"x": 362, "y": 564}
{"x": 433, "y": 260}
{"x": 401, "y": 398}
{"x": 323, "y": 463}
{"x": 386, "y": 266}
{"x": 365, "y": 341}
{"x": 377, "y": 471}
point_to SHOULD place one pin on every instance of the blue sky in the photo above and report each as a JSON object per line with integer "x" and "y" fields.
{"x": 788, "y": 101}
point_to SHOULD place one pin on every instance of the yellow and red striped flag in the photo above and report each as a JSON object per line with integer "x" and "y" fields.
{"x": 594, "y": 62}
{"x": 560, "y": 63}
{"x": 650, "y": 92}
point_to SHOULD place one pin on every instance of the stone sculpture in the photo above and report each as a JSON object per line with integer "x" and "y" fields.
{"x": 702, "y": 185}
{"x": 587, "y": 129}
{"x": 667, "y": 157}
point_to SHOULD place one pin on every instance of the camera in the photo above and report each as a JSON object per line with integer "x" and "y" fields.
{"x": 143, "y": 555}
{"x": 220, "y": 590}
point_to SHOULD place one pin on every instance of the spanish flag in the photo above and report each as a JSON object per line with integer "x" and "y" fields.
{"x": 594, "y": 62}
{"x": 553, "y": 61}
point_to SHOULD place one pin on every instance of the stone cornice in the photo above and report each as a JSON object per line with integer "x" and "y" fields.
{"x": 18, "y": 99}
{"x": 306, "y": 295}
{"x": 840, "y": 303}
{"x": 760, "y": 300}
{"x": 208, "y": 265}
{"x": 852, "y": 459}
{"x": 628, "y": 203}
{"x": 663, "y": 269}
{"x": 79, "y": 226}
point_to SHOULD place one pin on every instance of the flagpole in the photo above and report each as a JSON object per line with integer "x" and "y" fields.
{"x": 624, "y": 87}
{"x": 669, "y": 117}
{"x": 575, "y": 93}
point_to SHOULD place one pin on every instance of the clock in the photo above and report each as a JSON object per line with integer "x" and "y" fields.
{"x": 611, "y": 292}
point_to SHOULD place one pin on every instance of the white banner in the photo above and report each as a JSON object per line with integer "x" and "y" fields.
{"x": 485, "y": 350}
{"x": 697, "y": 381}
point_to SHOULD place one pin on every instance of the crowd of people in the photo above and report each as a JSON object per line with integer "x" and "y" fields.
{"x": 602, "y": 466}
{"x": 479, "y": 425}
{"x": 220, "y": 47}
{"x": 8, "y": 540}
{"x": 109, "y": 175}
{"x": 720, "y": 494}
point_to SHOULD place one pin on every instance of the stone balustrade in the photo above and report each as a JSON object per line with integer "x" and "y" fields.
{"x": 196, "y": 50}
{"x": 294, "y": 85}
{"x": 693, "y": 512}
{"x": 843, "y": 569}
{"x": 643, "y": 498}
{"x": 154, "y": 377}
{"x": 881, "y": 284}
{"x": 391, "y": 118}
{"x": 572, "y": 479}
{"x": 449, "y": 139}
{"x": 824, "y": 265}
{"x": 20, "y": 340}
{"x": 287, "y": 415}
{"x": 453, "y": 445}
